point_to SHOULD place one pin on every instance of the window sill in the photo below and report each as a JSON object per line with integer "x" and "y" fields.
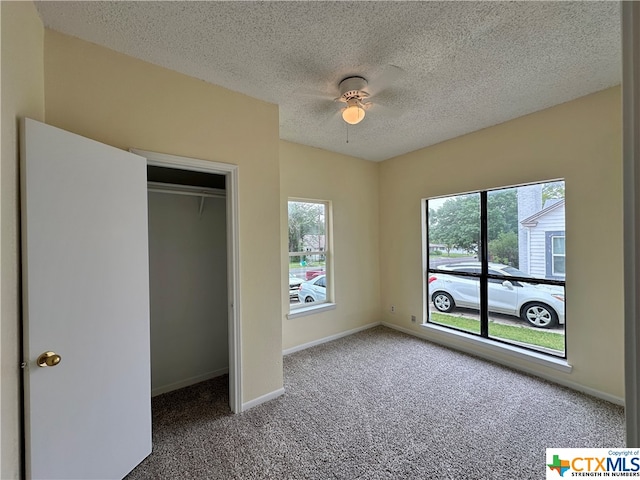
{"x": 512, "y": 351}
{"x": 313, "y": 309}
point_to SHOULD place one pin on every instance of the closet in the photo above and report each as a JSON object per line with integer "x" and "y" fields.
{"x": 187, "y": 277}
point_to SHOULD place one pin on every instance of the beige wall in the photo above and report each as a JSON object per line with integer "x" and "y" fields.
{"x": 125, "y": 102}
{"x": 351, "y": 185}
{"x": 579, "y": 141}
{"x": 22, "y": 95}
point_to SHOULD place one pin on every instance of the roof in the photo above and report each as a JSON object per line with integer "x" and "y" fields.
{"x": 532, "y": 221}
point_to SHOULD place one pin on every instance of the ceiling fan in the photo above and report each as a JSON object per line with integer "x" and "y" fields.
{"x": 353, "y": 93}
{"x": 356, "y": 92}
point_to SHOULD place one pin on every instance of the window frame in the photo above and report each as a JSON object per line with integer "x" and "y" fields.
{"x": 484, "y": 277}
{"x": 551, "y": 256}
{"x": 302, "y": 309}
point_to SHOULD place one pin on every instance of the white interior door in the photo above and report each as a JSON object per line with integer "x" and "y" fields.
{"x": 86, "y": 298}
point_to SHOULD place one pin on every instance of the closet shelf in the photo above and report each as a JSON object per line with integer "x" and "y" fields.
{"x": 185, "y": 190}
{"x": 202, "y": 192}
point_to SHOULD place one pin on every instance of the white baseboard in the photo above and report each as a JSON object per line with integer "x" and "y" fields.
{"x": 276, "y": 393}
{"x": 264, "y": 398}
{"x": 532, "y": 371}
{"x": 329, "y": 338}
{"x": 188, "y": 382}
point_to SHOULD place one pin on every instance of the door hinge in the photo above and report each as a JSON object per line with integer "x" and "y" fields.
{"x": 23, "y": 365}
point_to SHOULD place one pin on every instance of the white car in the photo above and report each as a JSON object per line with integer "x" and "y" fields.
{"x": 294, "y": 286}
{"x": 314, "y": 290}
{"x": 540, "y": 305}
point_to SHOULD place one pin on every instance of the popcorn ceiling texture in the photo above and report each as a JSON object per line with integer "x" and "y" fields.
{"x": 468, "y": 65}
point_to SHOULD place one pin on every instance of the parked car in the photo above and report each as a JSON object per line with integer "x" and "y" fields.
{"x": 314, "y": 290}
{"x": 540, "y": 305}
{"x": 294, "y": 285}
{"x": 309, "y": 274}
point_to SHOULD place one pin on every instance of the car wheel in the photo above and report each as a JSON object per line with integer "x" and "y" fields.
{"x": 443, "y": 301}
{"x": 308, "y": 300}
{"x": 539, "y": 315}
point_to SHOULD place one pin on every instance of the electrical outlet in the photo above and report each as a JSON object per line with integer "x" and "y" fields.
{"x": 393, "y": 309}
{"x": 413, "y": 319}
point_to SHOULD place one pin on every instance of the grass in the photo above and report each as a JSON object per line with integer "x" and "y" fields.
{"x": 451, "y": 255}
{"x": 531, "y": 336}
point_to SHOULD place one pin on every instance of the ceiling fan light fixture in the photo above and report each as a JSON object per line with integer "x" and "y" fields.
{"x": 353, "y": 113}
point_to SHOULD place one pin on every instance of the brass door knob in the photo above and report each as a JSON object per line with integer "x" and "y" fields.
{"x": 48, "y": 359}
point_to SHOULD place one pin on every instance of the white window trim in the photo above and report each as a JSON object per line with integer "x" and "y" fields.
{"x": 302, "y": 310}
{"x": 509, "y": 350}
{"x": 554, "y": 255}
{"x": 310, "y": 310}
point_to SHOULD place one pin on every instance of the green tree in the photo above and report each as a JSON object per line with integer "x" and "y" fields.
{"x": 456, "y": 224}
{"x": 305, "y": 218}
{"x": 502, "y": 212}
{"x": 552, "y": 190}
{"x": 504, "y": 249}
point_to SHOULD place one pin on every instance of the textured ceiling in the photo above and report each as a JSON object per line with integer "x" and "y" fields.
{"x": 467, "y": 65}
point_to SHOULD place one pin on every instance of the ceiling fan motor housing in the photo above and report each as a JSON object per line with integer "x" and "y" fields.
{"x": 353, "y": 87}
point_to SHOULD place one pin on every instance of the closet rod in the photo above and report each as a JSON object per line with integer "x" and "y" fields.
{"x": 194, "y": 192}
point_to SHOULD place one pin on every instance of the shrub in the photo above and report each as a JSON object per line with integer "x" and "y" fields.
{"x": 504, "y": 249}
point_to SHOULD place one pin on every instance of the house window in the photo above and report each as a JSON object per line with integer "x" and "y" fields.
{"x": 555, "y": 254}
{"x": 309, "y": 252}
{"x": 499, "y": 269}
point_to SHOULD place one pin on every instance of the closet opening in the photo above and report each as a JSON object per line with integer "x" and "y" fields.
{"x": 193, "y": 275}
{"x": 187, "y": 278}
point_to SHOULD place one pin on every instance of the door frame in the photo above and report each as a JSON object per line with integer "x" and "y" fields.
{"x": 230, "y": 172}
{"x": 631, "y": 215}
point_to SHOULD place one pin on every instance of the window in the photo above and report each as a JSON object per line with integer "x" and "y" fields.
{"x": 309, "y": 253}
{"x": 555, "y": 254}
{"x": 499, "y": 267}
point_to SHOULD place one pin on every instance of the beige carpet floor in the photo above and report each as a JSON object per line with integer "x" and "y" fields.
{"x": 378, "y": 405}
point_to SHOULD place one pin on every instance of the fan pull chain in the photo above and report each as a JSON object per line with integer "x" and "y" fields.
{"x": 347, "y": 132}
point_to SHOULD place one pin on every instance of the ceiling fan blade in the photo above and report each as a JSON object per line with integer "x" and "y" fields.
{"x": 320, "y": 108}
{"x": 392, "y": 101}
{"x": 386, "y": 78}
{"x": 304, "y": 92}
{"x": 384, "y": 110}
